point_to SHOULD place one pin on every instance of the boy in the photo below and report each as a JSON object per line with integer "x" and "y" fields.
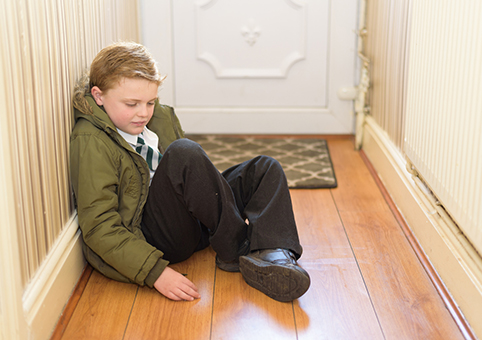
{"x": 147, "y": 197}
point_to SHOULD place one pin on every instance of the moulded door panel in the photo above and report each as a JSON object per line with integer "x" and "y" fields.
{"x": 255, "y": 66}
{"x": 270, "y": 53}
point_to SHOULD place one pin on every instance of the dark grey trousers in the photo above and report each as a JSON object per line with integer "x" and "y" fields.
{"x": 191, "y": 205}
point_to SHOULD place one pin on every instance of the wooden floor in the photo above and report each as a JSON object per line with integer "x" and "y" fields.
{"x": 367, "y": 282}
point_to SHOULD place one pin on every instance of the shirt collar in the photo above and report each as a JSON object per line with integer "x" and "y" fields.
{"x": 131, "y": 139}
{"x": 149, "y": 137}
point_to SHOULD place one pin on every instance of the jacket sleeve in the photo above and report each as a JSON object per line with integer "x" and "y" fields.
{"x": 95, "y": 180}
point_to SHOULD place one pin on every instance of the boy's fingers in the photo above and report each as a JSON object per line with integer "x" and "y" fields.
{"x": 191, "y": 292}
{"x": 189, "y": 284}
{"x": 173, "y": 297}
{"x": 182, "y": 295}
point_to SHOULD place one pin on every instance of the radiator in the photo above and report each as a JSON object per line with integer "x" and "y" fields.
{"x": 443, "y": 122}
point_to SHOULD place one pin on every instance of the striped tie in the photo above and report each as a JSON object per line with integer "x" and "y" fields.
{"x": 152, "y": 157}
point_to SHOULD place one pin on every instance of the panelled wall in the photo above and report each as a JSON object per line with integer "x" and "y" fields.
{"x": 386, "y": 45}
{"x": 444, "y": 107}
{"x": 428, "y": 77}
{"x": 422, "y": 133}
{"x": 47, "y": 45}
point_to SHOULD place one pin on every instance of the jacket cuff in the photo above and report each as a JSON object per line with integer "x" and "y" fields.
{"x": 155, "y": 272}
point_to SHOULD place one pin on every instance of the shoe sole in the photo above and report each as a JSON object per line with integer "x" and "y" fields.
{"x": 281, "y": 283}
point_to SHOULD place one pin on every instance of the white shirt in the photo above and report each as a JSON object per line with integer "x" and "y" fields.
{"x": 150, "y": 138}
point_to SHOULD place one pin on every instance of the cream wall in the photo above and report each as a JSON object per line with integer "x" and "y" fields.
{"x": 46, "y": 46}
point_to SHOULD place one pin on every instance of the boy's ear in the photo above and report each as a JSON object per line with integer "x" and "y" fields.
{"x": 97, "y": 94}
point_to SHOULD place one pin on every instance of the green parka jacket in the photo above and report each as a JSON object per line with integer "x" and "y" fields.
{"x": 111, "y": 182}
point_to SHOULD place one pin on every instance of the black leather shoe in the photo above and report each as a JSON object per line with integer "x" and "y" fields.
{"x": 276, "y": 273}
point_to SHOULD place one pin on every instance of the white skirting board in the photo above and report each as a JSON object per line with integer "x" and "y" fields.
{"x": 47, "y": 294}
{"x": 452, "y": 256}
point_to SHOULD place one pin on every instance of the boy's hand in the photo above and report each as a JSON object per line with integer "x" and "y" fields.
{"x": 175, "y": 286}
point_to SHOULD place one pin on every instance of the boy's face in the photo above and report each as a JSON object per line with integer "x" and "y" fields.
{"x": 129, "y": 104}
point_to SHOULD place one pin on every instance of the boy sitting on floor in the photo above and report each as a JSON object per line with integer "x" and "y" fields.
{"x": 146, "y": 196}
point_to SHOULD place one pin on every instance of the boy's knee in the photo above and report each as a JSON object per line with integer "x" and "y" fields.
{"x": 185, "y": 147}
{"x": 182, "y": 144}
{"x": 269, "y": 161}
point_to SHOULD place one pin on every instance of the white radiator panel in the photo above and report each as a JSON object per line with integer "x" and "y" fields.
{"x": 443, "y": 131}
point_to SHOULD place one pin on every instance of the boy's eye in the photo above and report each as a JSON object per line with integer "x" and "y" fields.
{"x": 151, "y": 103}
{"x": 131, "y": 104}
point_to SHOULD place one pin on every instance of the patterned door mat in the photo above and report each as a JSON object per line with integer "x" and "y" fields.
{"x": 306, "y": 162}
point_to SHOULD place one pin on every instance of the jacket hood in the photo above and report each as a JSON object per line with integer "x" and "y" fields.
{"x": 85, "y": 107}
{"x": 81, "y": 90}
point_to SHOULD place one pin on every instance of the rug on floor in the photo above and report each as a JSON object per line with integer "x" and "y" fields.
{"x": 306, "y": 162}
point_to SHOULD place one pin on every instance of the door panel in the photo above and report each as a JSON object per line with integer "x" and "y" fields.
{"x": 251, "y": 66}
{"x": 250, "y": 53}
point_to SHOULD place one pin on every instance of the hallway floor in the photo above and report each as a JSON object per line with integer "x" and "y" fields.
{"x": 367, "y": 281}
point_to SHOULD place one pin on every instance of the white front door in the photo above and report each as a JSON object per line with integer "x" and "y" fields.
{"x": 255, "y": 66}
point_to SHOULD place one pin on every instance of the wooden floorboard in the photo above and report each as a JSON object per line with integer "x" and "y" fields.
{"x": 242, "y": 312}
{"x": 337, "y": 305}
{"x": 439, "y": 285}
{"x": 357, "y": 190}
{"x": 103, "y": 310}
{"x": 367, "y": 282}
{"x": 72, "y": 304}
{"x": 406, "y": 302}
{"x": 155, "y": 317}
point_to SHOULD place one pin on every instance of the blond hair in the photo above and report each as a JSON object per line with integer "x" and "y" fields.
{"x": 122, "y": 60}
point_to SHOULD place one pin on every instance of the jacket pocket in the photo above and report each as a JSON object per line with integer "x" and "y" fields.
{"x": 132, "y": 183}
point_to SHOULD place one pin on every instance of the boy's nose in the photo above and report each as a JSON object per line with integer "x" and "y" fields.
{"x": 144, "y": 111}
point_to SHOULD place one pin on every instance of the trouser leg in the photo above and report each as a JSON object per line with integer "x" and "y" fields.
{"x": 262, "y": 196}
{"x": 188, "y": 194}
